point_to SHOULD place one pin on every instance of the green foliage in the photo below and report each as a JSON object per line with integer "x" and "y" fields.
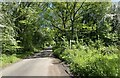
{"x": 94, "y": 51}
{"x": 7, "y": 59}
{"x": 80, "y": 33}
{"x": 9, "y": 43}
{"x": 88, "y": 61}
{"x": 22, "y": 32}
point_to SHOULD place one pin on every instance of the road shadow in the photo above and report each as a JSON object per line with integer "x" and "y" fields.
{"x": 47, "y": 52}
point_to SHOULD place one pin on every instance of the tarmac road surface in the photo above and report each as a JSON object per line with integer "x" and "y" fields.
{"x": 42, "y": 66}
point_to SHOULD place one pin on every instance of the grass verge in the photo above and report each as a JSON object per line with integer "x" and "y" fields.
{"x": 7, "y": 59}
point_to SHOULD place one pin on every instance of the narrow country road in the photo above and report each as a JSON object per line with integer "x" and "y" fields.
{"x": 38, "y": 65}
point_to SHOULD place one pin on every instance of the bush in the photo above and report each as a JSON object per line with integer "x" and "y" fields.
{"x": 88, "y": 61}
{"x": 7, "y": 59}
{"x": 59, "y": 48}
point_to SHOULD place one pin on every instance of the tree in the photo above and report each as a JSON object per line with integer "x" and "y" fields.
{"x": 75, "y": 20}
{"x": 9, "y": 43}
{"x": 23, "y": 25}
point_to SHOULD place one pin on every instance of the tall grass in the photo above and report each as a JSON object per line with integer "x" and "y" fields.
{"x": 90, "y": 61}
{"x": 7, "y": 59}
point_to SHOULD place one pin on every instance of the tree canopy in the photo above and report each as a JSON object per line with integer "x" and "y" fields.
{"x": 85, "y": 32}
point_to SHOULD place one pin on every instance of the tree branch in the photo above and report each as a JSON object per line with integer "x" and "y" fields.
{"x": 80, "y": 7}
{"x": 56, "y": 27}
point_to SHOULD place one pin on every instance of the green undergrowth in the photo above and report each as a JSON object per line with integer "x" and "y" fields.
{"x": 89, "y": 61}
{"x": 8, "y": 59}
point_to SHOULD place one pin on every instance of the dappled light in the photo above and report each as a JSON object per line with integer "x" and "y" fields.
{"x": 85, "y": 36}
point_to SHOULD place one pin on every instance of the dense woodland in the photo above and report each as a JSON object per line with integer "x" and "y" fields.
{"x": 85, "y": 35}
